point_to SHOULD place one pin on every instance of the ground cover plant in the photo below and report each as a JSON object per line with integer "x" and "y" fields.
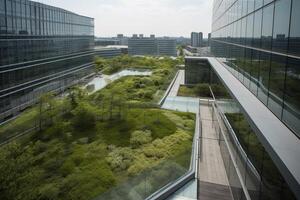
{"x": 85, "y": 145}
{"x": 202, "y": 90}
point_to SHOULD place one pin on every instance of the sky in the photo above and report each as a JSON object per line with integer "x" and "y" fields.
{"x": 159, "y": 17}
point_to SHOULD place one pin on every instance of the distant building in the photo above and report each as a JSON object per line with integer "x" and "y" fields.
{"x": 208, "y": 40}
{"x": 122, "y": 40}
{"x": 196, "y": 39}
{"x": 166, "y": 47}
{"x": 107, "y": 41}
{"x": 151, "y": 46}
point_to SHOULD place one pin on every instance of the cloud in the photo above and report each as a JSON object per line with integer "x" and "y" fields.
{"x": 161, "y": 17}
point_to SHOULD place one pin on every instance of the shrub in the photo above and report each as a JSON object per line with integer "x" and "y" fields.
{"x": 140, "y": 137}
{"x": 120, "y": 158}
{"x": 49, "y": 191}
{"x": 67, "y": 168}
{"x": 203, "y": 90}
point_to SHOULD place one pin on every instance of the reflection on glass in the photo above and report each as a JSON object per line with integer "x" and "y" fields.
{"x": 257, "y": 28}
{"x": 263, "y": 81}
{"x": 267, "y": 26}
{"x": 276, "y": 84}
{"x": 281, "y": 25}
{"x": 294, "y": 44}
{"x": 291, "y": 112}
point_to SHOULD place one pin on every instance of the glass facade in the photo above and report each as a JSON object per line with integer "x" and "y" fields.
{"x": 31, "y": 30}
{"x": 42, "y": 48}
{"x": 260, "y": 41}
{"x": 249, "y": 167}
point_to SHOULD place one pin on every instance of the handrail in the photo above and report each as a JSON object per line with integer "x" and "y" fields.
{"x": 244, "y": 188}
{"x": 163, "y": 99}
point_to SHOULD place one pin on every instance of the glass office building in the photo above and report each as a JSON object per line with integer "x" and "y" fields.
{"x": 42, "y": 48}
{"x": 260, "y": 41}
{"x": 31, "y": 30}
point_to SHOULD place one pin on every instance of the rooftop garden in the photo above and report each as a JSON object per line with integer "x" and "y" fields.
{"x": 202, "y": 90}
{"x": 84, "y": 145}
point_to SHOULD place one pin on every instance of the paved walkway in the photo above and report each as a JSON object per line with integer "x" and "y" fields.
{"x": 213, "y": 179}
{"x": 179, "y": 81}
{"x": 212, "y": 169}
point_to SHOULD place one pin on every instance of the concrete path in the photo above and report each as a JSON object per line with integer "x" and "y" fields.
{"x": 212, "y": 169}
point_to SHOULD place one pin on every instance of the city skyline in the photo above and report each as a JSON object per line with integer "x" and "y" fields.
{"x": 159, "y": 17}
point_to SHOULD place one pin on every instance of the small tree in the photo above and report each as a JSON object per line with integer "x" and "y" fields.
{"x": 46, "y": 106}
{"x": 100, "y": 64}
{"x": 84, "y": 117}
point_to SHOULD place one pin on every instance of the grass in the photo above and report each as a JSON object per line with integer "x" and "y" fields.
{"x": 88, "y": 144}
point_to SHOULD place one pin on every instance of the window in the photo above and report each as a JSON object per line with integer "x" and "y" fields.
{"x": 281, "y": 25}
{"x": 250, "y": 6}
{"x": 2, "y": 6}
{"x": 267, "y": 26}
{"x": 264, "y": 71}
{"x": 294, "y": 44}
{"x": 276, "y": 84}
{"x": 292, "y": 96}
{"x": 249, "y": 32}
{"x": 257, "y": 28}
{"x": 258, "y": 3}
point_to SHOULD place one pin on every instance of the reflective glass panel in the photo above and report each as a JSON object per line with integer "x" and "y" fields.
{"x": 294, "y": 44}
{"x": 281, "y": 25}
{"x": 267, "y": 27}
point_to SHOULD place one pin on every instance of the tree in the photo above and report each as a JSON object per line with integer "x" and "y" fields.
{"x": 76, "y": 95}
{"x": 84, "y": 116}
{"x": 100, "y": 64}
{"x": 46, "y": 106}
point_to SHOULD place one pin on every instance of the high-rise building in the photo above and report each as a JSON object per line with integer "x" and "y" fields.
{"x": 208, "y": 39}
{"x": 257, "y": 60}
{"x": 196, "y": 39}
{"x": 151, "y": 46}
{"x": 42, "y": 48}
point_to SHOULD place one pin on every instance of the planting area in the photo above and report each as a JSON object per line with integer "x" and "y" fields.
{"x": 85, "y": 145}
{"x": 202, "y": 90}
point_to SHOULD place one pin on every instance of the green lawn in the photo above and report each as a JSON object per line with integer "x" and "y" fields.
{"x": 88, "y": 144}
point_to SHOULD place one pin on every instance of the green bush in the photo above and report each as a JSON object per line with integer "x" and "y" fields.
{"x": 140, "y": 137}
{"x": 120, "y": 158}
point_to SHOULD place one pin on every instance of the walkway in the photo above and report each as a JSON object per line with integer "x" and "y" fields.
{"x": 213, "y": 179}
{"x": 212, "y": 175}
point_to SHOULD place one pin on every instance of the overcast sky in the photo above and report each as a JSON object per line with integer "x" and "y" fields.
{"x": 160, "y": 17}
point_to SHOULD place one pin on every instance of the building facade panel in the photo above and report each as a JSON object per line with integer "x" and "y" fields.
{"x": 42, "y": 48}
{"x": 258, "y": 42}
{"x": 261, "y": 44}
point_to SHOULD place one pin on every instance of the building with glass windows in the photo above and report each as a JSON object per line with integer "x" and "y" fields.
{"x": 196, "y": 39}
{"x": 256, "y": 51}
{"x": 151, "y": 46}
{"x": 260, "y": 41}
{"x": 42, "y": 48}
